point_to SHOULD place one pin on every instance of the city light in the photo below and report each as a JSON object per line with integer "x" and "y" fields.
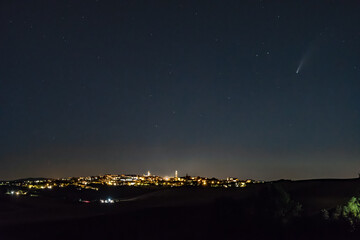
{"x": 107, "y": 201}
{"x": 94, "y": 183}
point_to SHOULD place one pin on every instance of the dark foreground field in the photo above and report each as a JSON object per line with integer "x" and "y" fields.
{"x": 279, "y": 210}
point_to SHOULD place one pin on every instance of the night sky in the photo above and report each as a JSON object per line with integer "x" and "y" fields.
{"x": 251, "y": 89}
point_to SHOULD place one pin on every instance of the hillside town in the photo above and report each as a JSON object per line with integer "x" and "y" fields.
{"x": 131, "y": 180}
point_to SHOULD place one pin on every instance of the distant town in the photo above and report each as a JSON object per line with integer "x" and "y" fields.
{"x": 32, "y": 186}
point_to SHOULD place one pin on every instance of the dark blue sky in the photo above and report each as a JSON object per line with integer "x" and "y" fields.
{"x": 205, "y": 87}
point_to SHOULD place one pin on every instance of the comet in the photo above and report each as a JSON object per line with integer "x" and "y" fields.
{"x": 300, "y": 66}
{"x": 306, "y": 57}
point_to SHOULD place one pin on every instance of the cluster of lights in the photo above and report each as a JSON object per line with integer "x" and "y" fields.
{"x": 17, "y": 193}
{"x": 94, "y": 182}
{"x": 108, "y": 201}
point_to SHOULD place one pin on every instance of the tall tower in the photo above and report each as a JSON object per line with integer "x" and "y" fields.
{"x": 176, "y": 174}
{"x": 148, "y": 174}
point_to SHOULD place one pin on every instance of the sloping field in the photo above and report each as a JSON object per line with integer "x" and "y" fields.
{"x": 315, "y": 195}
{"x": 193, "y": 213}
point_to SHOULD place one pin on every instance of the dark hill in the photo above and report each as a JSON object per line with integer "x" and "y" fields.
{"x": 259, "y": 211}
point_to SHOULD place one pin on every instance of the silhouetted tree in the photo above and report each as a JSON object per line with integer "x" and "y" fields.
{"x": 325, "y": 214}
{"x": 279, "y": 205}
